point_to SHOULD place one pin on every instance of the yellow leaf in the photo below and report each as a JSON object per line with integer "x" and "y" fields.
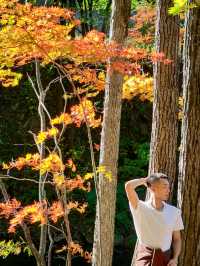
{"x": 108, "y": 175}
{"x": 88, "y": 176}
{"x": 59, "y": 180}
{"x": 5, "y": 166}
{"x": 101, "y": 76}
{"x": 41, "y": 137}
{"x": 53, "y": 131}
{"x": 28, "y": 156}
{"x": 101, "y": 169}
{"x": 67, "y": 96}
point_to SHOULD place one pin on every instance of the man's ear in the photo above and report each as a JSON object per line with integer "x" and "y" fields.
{"x": 152, "y": 188}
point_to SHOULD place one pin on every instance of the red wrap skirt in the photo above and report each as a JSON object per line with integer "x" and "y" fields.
{"x": 146, "y": 256}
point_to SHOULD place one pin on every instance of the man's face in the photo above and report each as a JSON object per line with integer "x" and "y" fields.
{"x": 161, "y": 189}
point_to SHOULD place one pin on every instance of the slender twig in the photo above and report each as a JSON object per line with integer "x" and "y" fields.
{"x": 42, "y": 177}
{"x": 52, "y": 82}
{"x": 35, "y": 139}
{"x": 57, "y": 229}
{"x": 24, "y": 179}
{"x": 39, "y": 97}
{"x": 50, "y": 246}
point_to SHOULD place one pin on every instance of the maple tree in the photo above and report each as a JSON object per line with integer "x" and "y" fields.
{"x": 142, "y": 34}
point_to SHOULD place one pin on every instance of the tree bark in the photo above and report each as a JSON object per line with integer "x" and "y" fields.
{"x": 105, "y": 212}
{"x": 163, "y": 149}
{"x": 164, "y": 134}
{"x": 189, "y": 162}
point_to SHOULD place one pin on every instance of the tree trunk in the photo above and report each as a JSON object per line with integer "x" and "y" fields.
{"x": 164, "y": 135}
{"x": 163, "y": 149}
{"x": 189, "y": 162}
{"x": 105, "y": 212}
{"x": 105, "y": 19}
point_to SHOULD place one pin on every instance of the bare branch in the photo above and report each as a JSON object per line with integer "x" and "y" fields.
{"x": 24, "y": 179}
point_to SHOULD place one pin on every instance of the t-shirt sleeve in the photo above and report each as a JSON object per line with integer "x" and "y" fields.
{"x": 179, "y": 222}
{"x": 140, "y": 208}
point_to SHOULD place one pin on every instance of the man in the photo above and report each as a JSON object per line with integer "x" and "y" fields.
{"x": 157, "y": 223}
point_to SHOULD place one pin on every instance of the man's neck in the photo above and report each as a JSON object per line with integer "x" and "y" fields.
{"x": 157, "y": 203}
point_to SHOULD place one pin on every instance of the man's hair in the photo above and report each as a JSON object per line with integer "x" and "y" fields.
{"x": 155, "y": 177}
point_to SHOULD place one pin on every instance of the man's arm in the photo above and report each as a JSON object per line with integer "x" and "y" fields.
{"x": 130, "y": 187}
{"x": 176, "y": 245}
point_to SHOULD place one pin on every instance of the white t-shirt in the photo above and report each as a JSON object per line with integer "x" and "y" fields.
{"x": 154, "y": 228}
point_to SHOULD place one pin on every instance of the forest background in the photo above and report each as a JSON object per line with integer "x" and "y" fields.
{"x": 20, "y": 124}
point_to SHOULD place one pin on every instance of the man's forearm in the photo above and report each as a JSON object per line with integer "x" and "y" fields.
{"x": 176, "y": 245}
{"x": 136, "y": 182}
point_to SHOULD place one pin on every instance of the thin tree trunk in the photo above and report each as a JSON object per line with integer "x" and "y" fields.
{"x": 163, "y": 147}
{"x": 90, "y": 12}
{"x": 105, "y": 212}
{"x": 83, "y": 16}
{"x": 189, "y": 162}
{"x": 43, "y": 230}
{"x": 105, "y": 19}
{"x": 42, "y": 196}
